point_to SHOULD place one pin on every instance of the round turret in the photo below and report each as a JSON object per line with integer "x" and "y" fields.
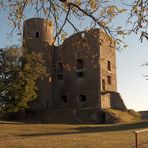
{"x": 37, "y": 37}
{"x": 38, "y": 29}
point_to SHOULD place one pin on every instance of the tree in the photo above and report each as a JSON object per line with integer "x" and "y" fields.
{"x": 101, "y": 13}
{"x": 19, "y": 71}
{"x": 139, "y": 18}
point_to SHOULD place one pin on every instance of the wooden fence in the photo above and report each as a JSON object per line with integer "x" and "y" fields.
{"x": 136, "y": 136}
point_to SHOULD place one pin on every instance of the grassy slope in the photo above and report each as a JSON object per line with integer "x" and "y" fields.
{"x": 19, "y": 135}
{"x": 118, "y": 116}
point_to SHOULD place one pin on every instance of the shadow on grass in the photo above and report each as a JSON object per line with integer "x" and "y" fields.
{"x": 90, "y": 129}
{"x": 116, "y": 127}
{"x": 11, "y": 122}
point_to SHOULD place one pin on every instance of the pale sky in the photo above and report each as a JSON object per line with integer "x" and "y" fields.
{"x": 132, "y": 84}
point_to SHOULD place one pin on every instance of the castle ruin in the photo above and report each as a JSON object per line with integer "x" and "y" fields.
{"x": 82, "y": 71}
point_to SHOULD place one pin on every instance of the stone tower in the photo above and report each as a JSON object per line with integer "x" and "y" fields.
{"x": 37, "y": 37}
{"x": 37, "y": 29}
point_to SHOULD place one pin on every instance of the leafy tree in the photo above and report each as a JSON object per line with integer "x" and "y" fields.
{"x": 101, "y": 13}
{"x": 139, "y": 18}
{"x": 19, "y": 71}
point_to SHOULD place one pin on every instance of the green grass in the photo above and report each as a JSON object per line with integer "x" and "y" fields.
{"x": 21, "y": 135}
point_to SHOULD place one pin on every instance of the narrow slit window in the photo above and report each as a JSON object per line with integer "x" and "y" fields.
{"x": 109, "y": 80}
{"x": 80, "y": 68}
{"x": 54, "y": 69}
{"x": 80, "y": 64}
{"x": 103, "y": 85}
{"x": 60, "y": 70}
{"x": 109, "y": 66}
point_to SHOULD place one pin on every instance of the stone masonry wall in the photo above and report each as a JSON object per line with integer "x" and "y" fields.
{"x": 82, "y": 91}
{"x": 107, "y": 54}
{"x": 107, "y": 69}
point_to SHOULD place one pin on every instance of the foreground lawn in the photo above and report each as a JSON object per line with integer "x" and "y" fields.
{"x": 21, "y": 135}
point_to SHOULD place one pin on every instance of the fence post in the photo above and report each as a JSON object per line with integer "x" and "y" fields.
{"x": 136, "y": 139}
{"x": 136, "y": 136}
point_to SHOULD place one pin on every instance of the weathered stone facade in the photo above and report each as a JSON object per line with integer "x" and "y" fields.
{"x": 82, "y": 71}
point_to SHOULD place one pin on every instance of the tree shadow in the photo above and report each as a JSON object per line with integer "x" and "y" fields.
{"x": 11, "y": 122}
{"x": 90, "y": 129}
{"x": 115, "y": 127}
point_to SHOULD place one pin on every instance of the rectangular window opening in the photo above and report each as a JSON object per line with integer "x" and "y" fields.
{"x": 82, "y": 98}
{"x": 64, "y": 98}
{"x": 54, "y": 69}
{"x": 80, "y": 74}
{"x": 60, "y": 67}
{"x": 80, "y": 64}
{"x": 37, "y": 35}
{"x": 109, "y": 79}
{"x": 60, "y": 76}
{"x": 60, "y": 71}
{"x": 109, "y": 66}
